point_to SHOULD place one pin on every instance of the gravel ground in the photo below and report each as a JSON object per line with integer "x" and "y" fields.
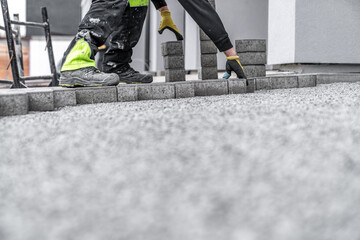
{"x": 282, "y": 165}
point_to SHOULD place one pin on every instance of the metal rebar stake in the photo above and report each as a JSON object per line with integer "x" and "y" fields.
{"x": 11, "y": 46}
{"x": 54, "y": 81}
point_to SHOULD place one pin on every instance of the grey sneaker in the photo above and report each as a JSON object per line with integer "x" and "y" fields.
{"x": 88, "y": 77}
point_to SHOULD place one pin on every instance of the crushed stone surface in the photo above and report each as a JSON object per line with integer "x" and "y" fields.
{"x": 281, "y": 164}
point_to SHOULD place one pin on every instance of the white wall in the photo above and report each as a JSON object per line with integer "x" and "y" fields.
{"x": 85, "y": 6}
{"x": 281, "y": 35}
{"x": 192, "y": 43}
{"x": 327, "y": 31}
{"x": 39, "y": 61}
{"x": 15, "y": 6}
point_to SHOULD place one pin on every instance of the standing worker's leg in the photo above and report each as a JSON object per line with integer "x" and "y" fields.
{"x": 121, "y": 42}
{"x": 78, "y": 68}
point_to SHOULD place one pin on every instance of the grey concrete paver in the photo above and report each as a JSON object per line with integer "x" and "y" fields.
{"x": 127, "y": 92}
{"x": 175, "y": 75}
{"x": 281, "y": 164}
{"x": 255, "y": 71}
{"x": 91, "y": 95}
{"x": 13, "y": 102}
{"x": 64, "y": 97}
{"x": 250, "y": 45}
{"x": 252, "y": 58}
{"x": 208, "y": 47}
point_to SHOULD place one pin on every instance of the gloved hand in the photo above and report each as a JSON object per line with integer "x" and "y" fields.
{"x": 233, "y": 64}
{"x": 168, "y": 23}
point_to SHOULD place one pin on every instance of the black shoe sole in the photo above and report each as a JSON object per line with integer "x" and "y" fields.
{"x": 134, "y": 81}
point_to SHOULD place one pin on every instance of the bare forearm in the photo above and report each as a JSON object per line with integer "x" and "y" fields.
{"x": 164, "y": 8}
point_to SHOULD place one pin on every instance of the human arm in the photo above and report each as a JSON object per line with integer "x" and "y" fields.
{"x": 209, "y": 21}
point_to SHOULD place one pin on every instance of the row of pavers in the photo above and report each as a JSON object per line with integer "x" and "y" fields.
{"x": 21, "y": 101}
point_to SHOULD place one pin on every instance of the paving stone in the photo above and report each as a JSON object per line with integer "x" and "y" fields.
{"x": 250, "y": 45}
{"x": 263, "y": 83}
{"x": 306, "y": 81}
{"x": 211, "y": 88}
{"x": 172, "y": 48}
{"x": 127, "y": 92}
{"x": 175, "y": 75}
{"x": 174, "y": 62}
{"x": 184, "y": 90}
{"x": 209, "y": 60}
{"x": 90, "y": 95}
{"x": 156, "y": 91}
{"x": 203, "y": 36}
{"x": 208, "y": 73}
{"x": 64, "y": 97}
{"x": 250, "y": 88}
{"x": 41, "y": 99}
{"x": 255, "y": 71}
{"x": 237, "y": 86}
{"x": 284, "y": 82}
{"x": 252, "y": 58}
{"x": 13, "y": 102}
{"x": 208, "y": 47}
{"x": 337, "y": 77}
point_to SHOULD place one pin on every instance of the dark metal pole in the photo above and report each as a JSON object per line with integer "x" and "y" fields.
{"x": 29, "y": 24}
{"x": 11, "y": 46}
{"x": 54, "y": 81}
{"x": 19, "y": 50}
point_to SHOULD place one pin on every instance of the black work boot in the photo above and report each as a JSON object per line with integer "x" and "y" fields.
{"x": 128, "y": 75}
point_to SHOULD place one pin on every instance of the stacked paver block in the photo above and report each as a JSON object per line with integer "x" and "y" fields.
{"x": 209, "y": 67}
{"x": 252, "y": 53}
{"x": 174, "y": 62}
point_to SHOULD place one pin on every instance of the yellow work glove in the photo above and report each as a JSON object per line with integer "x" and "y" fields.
{"x": 233, "y": 64}
{"x": 168, "y": 23}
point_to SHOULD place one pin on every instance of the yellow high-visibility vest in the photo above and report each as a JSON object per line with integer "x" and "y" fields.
{"x": 138, "y": 3}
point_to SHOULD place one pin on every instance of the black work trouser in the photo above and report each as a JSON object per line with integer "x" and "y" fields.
{"x": 116, "y": 24}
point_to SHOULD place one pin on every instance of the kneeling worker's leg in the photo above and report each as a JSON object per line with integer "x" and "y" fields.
{"x": 78, "y": 67}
